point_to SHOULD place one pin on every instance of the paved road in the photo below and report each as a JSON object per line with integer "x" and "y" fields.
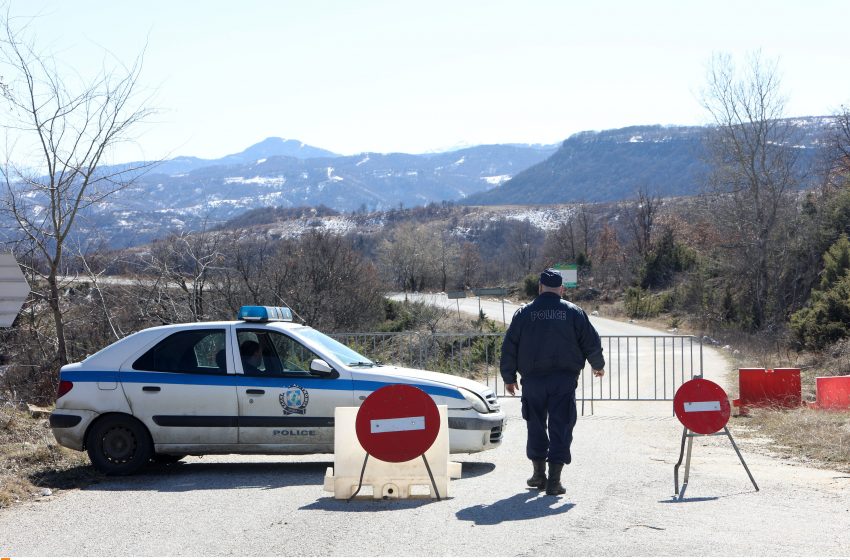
{"x": 619, "y": 502}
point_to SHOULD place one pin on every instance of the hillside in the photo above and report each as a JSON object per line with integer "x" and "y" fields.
{"x": 612, "y": 165}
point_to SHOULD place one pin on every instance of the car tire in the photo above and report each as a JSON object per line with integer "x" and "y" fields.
{"x": 119, "y": 445}
{"x": 166, "y": 459}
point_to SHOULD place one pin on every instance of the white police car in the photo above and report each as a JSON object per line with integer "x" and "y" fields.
{"x": 262, "y": 384}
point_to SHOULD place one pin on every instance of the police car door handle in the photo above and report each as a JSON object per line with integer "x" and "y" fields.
{"x": 150, "y": 389}
{"x": 255, "y": 392}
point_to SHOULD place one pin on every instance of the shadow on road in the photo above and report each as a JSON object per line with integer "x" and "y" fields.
{"x": 67, "y": 479}
{"x": 529, "y": 505}
{"x": 183, "y": 477}
{"x": 676, "y": 500}
{"x": 368, "y": 504}
{"x": 472, "y": 469}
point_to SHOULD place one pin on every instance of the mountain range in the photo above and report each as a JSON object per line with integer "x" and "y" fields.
{"x": 187, "y": 193}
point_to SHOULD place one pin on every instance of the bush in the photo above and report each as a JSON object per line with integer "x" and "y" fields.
{"x": 827, "y": 318}
{"x": 641, "y": 304}
{"x": 666, "y": 259}
{"x": 530, "y": 285}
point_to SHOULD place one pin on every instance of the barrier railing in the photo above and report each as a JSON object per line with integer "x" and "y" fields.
{"x": 638, "y": 368}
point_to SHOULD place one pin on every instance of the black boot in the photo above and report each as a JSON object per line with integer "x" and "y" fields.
{"x": 538, "y": 479}
{"x": 553, "y": 483}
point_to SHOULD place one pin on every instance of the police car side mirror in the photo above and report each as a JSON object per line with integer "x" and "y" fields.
{"x": 320, "y": 368}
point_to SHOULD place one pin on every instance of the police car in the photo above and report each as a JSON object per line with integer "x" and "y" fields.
{"x": 261, "y": 384}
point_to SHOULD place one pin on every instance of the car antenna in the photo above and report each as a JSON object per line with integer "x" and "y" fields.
{"x": 303, "y": 322}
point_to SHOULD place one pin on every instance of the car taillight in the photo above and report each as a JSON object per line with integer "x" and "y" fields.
{"x": 64, "y": 387}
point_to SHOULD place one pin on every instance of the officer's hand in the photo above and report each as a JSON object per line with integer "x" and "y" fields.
{"x": 511, "y": 388}
{"x": 599, "y": 372}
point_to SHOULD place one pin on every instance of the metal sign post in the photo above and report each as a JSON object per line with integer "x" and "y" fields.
{"x": 457, "y": 295}
{"x": 702, "y": 407}
{"x": 14, "y": 289}
{"x": 501, "y": 292}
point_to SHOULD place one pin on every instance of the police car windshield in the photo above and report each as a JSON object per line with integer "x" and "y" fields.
{"x": 340, "y": 351}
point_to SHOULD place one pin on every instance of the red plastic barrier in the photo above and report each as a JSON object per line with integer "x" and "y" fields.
{"x": 833, "y": 392}
{"x": 761, "y": 387}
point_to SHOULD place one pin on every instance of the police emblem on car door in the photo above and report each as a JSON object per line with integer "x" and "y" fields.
{"x": 280, "y": 401}
{"x": 294, "y": 400}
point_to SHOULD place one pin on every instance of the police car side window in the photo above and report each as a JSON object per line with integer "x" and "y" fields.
{"x": 191, "y": 351}
{"x": 266, "y": 352}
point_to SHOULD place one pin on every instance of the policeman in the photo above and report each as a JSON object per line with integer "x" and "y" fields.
{"x": 548, "y": 342}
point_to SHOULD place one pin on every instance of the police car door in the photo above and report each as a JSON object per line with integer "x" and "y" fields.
{"x": 181, "y": 390}
{"x": 280, "y": 402}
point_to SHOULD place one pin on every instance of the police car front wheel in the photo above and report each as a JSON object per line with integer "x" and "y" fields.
{"x": 119, "y": 445}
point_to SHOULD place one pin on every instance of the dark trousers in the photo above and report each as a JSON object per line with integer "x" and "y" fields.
{"x": 549, "y": 410}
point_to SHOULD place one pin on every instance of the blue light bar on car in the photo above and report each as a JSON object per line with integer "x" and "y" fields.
{"x": 264, "y": 313}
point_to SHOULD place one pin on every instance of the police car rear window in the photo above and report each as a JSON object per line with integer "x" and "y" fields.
{"x": 192, "y": 351}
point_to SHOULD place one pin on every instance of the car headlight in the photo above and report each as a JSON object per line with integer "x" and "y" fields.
{"x": 474, "y": 400}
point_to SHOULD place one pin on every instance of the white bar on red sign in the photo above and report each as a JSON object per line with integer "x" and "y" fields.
{"x": 704, "y": 406}
{"x": 398, "y": 424}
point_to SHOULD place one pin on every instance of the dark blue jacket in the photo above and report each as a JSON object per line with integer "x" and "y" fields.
{"x": 549, "y": 335}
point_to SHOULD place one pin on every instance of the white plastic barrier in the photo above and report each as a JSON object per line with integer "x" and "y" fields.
{"x": 387, "y": 480}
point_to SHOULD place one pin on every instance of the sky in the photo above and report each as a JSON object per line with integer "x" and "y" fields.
{"x": 356, "y": 76}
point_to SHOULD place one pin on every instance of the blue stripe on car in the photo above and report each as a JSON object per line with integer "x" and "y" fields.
{"x": 241, "y": 380}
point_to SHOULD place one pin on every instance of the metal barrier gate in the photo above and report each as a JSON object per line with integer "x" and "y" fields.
{"x": 637, "y": 368}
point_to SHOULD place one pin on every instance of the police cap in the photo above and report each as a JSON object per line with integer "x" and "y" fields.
{"x": 551, "y": 278}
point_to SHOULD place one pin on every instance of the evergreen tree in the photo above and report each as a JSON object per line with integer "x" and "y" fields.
{"x": 827, "y": 318}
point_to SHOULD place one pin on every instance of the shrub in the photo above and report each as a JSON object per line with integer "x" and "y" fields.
{"x": 642, "y": 304}
{"x": 530, "y": 285}
{"x": 666, "y": 259}
{"x": 827, "y": 318}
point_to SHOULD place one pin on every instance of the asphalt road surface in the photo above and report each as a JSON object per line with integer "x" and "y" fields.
{"x": 619, "y": 502}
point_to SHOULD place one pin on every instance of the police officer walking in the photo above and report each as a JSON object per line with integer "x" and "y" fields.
{"x": 548, "y": 342}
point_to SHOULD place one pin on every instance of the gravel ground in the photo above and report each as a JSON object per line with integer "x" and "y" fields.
{"x": 619, "y": 503}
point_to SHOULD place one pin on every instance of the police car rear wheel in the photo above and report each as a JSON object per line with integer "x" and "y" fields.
{"x": 118, "y": 445}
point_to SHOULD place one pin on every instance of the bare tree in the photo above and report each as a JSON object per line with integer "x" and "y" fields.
{"x": 408, "y": 257}
{"x": 446, "y": 252}
{"x": 642, "y": 215}
{"x": 522, "y": 246}
{"x": 608, "y": 258}
{"x": 752, "y": 172}
{"x": 584, "y": 222}
{"x": 59, "y": 130}
{"x": 184, "y": 265}
{"x": 329, "y": 284}
{"x": 839, "y": 155}
{"x": 469, "y": 265}
{"x": 560, "y": 244}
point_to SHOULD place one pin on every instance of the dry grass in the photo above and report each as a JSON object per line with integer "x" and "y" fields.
{"x": 818, "y": 437}
{"x": 812, "y": 436}
{"x": 30, "y": 459}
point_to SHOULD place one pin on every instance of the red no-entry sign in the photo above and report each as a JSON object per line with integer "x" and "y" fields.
{"x": 397, "y": 423}
{"x": 702, "y": 406}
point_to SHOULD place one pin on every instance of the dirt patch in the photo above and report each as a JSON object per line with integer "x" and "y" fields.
{"x": 32, "y": 464}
